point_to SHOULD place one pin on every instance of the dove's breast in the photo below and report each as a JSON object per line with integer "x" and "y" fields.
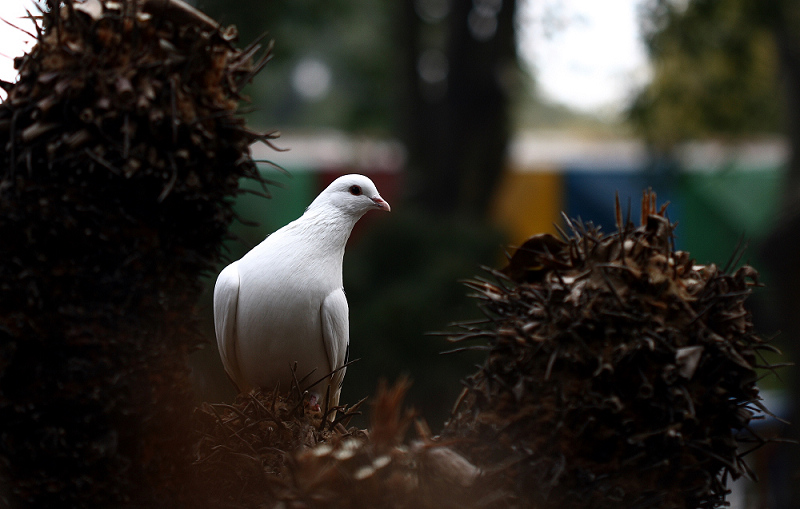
{"x": 278, "y": 319}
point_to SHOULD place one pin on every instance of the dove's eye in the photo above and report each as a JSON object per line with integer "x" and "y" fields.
{"x": 355, "y": 190}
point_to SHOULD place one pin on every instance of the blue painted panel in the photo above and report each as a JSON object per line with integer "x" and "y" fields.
{"x": 589, "y": 194}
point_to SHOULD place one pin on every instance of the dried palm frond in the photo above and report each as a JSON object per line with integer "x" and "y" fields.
{"x": 621, "y": 373}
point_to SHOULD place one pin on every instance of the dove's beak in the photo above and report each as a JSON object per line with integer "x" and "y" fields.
{"x": 381, "y": 204}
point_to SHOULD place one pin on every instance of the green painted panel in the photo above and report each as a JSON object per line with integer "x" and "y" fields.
{"x": 285, "y": 204}
{"x": 721, "y": 207}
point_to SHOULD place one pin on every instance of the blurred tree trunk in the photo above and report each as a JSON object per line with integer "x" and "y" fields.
{"x": 456, "y": 128}
{"x": 785, "y": 21}
{"x": 782, "y": 248}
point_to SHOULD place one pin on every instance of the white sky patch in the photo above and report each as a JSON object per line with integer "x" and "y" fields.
{"x": 14, "y": 42}
{"x": 586, "y": 54}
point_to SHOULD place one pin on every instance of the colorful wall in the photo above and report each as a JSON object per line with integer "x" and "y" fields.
{"x": 718, "y": 193}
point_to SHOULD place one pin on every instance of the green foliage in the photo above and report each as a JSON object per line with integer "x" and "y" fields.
{"x": 349, "y": 37}
{"x": 715, "y": 71}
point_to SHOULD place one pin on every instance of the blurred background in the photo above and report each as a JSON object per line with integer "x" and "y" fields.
{"x": 482, "y": 120}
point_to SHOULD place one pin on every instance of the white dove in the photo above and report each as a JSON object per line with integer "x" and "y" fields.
{"x": 283, "y": 302}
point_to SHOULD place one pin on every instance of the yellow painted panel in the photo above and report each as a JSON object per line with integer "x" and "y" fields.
{"x": 527, "y": 203}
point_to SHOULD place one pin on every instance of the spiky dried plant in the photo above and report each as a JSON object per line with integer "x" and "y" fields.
{"x": 123, "y": 145}
{"x": 268, "y": 450}
{"x": 620, "y": 373}
{"x": 243, "y": 449}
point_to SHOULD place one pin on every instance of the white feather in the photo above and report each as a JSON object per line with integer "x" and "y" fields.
{"x": 283, "y": 302}
{"x": 226, "y": 297}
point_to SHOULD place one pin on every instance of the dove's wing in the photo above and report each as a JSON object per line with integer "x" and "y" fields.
{"x": 226, "y": 303}
{"x": 336, "y": 336}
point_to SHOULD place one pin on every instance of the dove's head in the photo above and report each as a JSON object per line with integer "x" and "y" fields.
{"x": 353, "y": 194}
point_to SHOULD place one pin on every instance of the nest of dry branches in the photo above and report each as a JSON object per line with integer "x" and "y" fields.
{"x": 271, "y": 450}
{"x": 620, "y": 372}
